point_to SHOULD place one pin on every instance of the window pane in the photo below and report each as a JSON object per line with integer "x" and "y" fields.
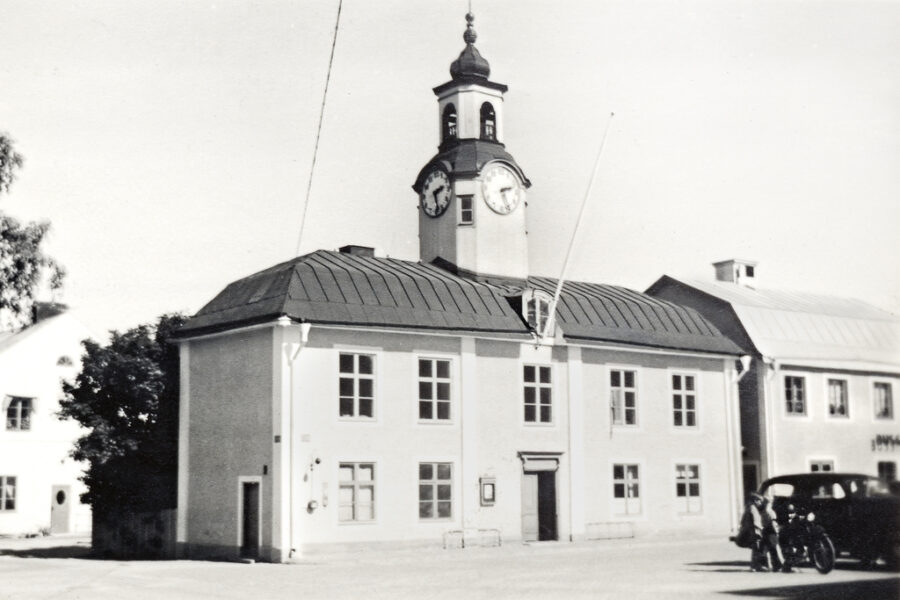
{"x": 633, "y": 491}
{"x": 529, "y": 395}
{"x": 346, "y": 407}
{"x": 424, "y": 368}
{"x": 425, "y": 390}
{"x": 444, "y": 510}
{"x": 632, "y": 471}
{"x": 365, "y": 512}
{"x": 426, "y": 471}
{"x": 676, "y": 400}
{"x": 677, "y": 419}
{"x": 629, "y": 378}
{"x": 443, "y": 369}
{"x": 689, "y": 383}
{"x": 346, "y": 472}
{"x": 545, "y": 414}
{"x": 530, "y": 413}
{"x": 618, "y": 472}
{"x": 629, "y": 417}
{"x": 426, "y": 492}
{"x": 443, "y": 471}
{"x": 679, "y": 489}
{"x": 365, "y": 388}
{"x": 365, "y": 407}
{"x": 614, "y": 378}
{"x": 425, "y": 411}
{"x": 345, "y": 495}
{"x": 695, "y": 489}
{"x": 545, "y": 374}
{"x": 545, "y": 395}
{"x": 443, "y": 410}
{"x": 443, "y": 391}
{"x": 366, "y": 364}
{"x": 346, "y": 362}
{"x": 529, "y": 373}
{"x": 366, "y": 494}
{"x": 619, "y": 490}
{"x": 366, "y": 472}
{"x": 346, "y": 386}
{"x": 690, "y": 402}
{"x": 691, "y": 419}
{"x": 629, "y": 399}
{"x": 426, "y": 510}
{"x": 345, "y": 512}
{"x": 676, "y": 382}
{"x": 443, "y": 492}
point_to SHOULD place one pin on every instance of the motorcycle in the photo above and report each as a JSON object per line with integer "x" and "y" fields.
{"x": 803, "y": 541}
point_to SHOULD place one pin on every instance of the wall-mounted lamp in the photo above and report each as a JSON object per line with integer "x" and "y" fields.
{"x": 311, "y": 506}
{"x": 746, "y": 360}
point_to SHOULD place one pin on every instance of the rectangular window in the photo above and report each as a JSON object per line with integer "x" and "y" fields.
{"x": 684, "y": 401}
{"x": 434, "y": 389}
{"x": 466, "y": 210}
{"x": 626, "y": 490}
{"x": 884, "y": 401}
{"x": 623, "y": 397}
{"x": 18, "y": 414}
{"x": 821, "y": 466}
{"x": 435, "y": 490}
{"x": 357, "y": 385}
{"x": 7, "y": 493}
{"x": 357, "y": 492}
{"x": 538, "y": 394}
{"x": 837, "y": 398}
{"x": 687, "y": 488}
{"x": 794, "y": 395}
{"x": 887, "y": 470}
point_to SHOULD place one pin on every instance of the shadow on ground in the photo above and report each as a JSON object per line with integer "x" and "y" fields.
{"x": 54, "y": 552}
{"x": 879, "y": 589}
{"x": 744, "y": 565}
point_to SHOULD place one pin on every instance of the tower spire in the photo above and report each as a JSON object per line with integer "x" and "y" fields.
{"x": 470, "y": 62}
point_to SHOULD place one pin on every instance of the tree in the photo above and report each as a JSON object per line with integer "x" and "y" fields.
{"x": 126, "y": 395}
{"x": 23, "y": 264}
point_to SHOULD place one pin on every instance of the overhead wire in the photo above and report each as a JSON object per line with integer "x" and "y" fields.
{"x": 312, "y": 167}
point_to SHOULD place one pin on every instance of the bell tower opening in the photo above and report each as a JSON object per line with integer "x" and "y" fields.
{"x": 448, "y": 123}
{"x": 488, "y": 122}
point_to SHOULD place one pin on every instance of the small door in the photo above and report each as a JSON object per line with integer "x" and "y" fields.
{"x": 60, "y": 509}
{"x": 530, "y": 507}
{"x": 250, "y": 520}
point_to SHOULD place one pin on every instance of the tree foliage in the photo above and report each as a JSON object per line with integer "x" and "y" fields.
{"x": 126, "y": 395}
{"x": 23, "y": 264}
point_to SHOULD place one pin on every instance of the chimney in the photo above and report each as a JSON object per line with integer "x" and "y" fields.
{"x": 353, "y": 250}
{"x": 735, "y": 270}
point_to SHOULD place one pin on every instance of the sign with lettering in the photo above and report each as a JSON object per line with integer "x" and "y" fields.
{"x": 885, "y": 442}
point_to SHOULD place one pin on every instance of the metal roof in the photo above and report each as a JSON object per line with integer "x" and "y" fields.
{"x": 812, "y": 329}
{"x": 329, "y": 287}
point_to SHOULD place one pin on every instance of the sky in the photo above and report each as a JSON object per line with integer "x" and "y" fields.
{"x": 170, "y": 143}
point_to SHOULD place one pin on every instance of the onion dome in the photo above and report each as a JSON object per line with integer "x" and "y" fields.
{"x": 470, "y": 62}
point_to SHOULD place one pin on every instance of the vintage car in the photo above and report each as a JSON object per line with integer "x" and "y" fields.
{"x": 859, "y": 512}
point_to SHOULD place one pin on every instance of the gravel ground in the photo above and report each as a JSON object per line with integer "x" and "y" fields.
{"x": 60, "y": 567}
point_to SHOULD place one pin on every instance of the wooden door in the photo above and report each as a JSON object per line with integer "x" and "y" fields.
{"x": 60, "y": 509}
{"x": 530, "y": 529}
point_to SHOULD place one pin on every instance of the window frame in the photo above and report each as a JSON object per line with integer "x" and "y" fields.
{"x": 689, "y": 504}
{"x": 846, "y": 397}
{"x": 24, "y": 407}
{"x": 538, "y": 386}
{"x": 684, "y": 411}
{"x": 435, "y": 495}
{"x": 636, "y": 389}
{"x": 789, "y": 400}
{"x": 5, "y": 499}
{"x": 632, "y": 509}
{"x": 355, "y": 377}
{"x": 435, "y": 380}
{"x": 889, "y": 386}
{"x": 355, "y": 484}
{"x": 461, "y": 218}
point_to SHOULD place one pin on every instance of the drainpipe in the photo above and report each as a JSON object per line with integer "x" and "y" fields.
{"x": 293, "y": 352}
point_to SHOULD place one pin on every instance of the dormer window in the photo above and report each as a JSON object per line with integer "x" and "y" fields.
{"x": 448, "y": 123}
{"x": 536, "y": 310}
{"x": 488, "y": 122}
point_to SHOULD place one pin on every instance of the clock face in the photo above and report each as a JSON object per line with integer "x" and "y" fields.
{"x": 501, "y": 189}
{"x": 435, "y": 196}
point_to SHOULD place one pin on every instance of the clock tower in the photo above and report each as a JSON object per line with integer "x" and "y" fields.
{"x": 472, "y": 192}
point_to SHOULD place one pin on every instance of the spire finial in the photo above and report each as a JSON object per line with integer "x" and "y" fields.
{"x": 470, "y": 36}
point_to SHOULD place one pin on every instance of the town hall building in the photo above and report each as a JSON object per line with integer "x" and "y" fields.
{"x": 341, "y": 398}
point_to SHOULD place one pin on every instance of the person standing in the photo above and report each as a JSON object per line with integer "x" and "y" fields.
{"x": 765, "y": 535}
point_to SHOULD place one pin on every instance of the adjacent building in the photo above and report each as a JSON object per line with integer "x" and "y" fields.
{"x": 39, "y": 481}
{"x": 346, "y": 398}
{"x": 821, "y": 392}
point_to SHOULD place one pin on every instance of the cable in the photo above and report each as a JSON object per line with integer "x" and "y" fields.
{"x": 319, "y": 129}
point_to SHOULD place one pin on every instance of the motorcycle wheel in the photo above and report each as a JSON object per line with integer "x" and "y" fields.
{"x": 822, "y": 553}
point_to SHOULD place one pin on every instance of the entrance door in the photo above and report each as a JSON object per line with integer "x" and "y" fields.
{"x": 539, "y": 506}
{"x": 60, "y": 509}
{"x": 751, "y": 479}
{"x": 250, "y": 519}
